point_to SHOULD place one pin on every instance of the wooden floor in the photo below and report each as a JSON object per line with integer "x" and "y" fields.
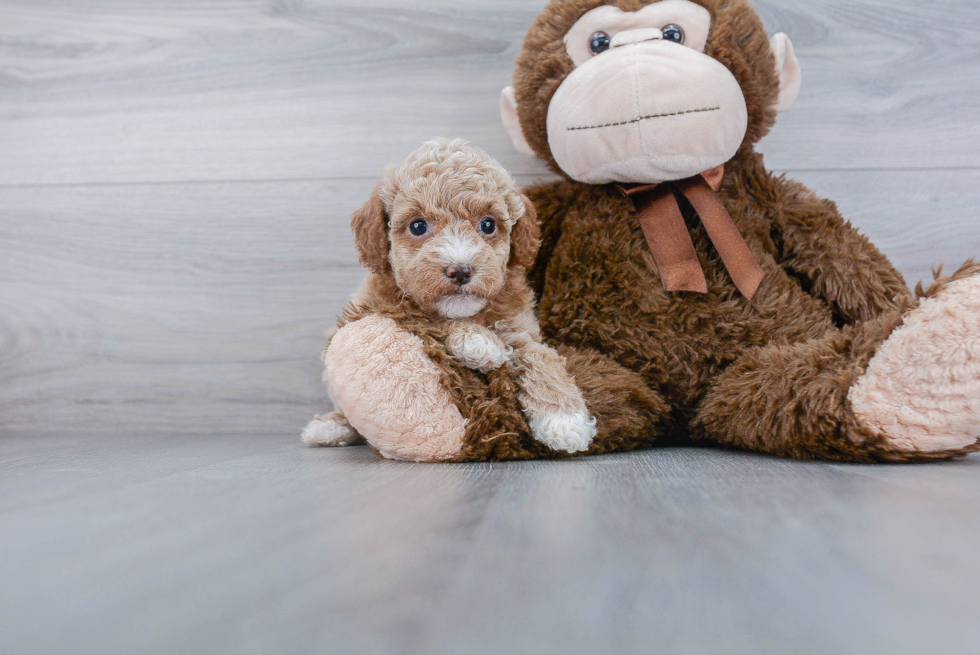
{"x": 184, "y": 544}
{"x": 175, "y": 185}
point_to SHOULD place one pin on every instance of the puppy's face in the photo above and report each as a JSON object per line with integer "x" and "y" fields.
{"x": 447, "y": 223}
{"x": 452, "y": 256}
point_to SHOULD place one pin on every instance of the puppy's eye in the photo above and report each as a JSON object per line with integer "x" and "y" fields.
{"x": 673, "y": 33}
{"x": 418, "y": 227}
{"x": 488, "y": 226}
{"x": 599, "y": 43}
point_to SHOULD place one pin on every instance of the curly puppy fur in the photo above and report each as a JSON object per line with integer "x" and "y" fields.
{"x": 449, "y": 207}
{"x": 770, "y": 375}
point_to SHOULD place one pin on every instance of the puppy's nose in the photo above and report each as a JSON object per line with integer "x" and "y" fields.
{"x": 459, "y": 273}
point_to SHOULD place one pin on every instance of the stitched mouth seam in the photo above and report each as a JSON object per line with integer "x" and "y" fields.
{"x": 623, "y": 45}
{"x": 644, "y": 118}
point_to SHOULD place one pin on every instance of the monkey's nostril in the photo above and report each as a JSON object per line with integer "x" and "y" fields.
{"x": 459, "y": 273}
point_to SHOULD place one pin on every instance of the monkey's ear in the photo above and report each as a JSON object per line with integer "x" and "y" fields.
{"x": 508, "y": 113}
{"x": 788, "y": 67}
{"x": 370, "y": 227}
{"x": 525, "y": 238}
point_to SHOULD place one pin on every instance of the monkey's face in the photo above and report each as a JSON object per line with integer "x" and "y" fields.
{"x": 639, "y": 99}
{"x": 644, "y": 103}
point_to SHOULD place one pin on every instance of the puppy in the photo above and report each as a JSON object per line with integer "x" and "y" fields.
{"x": 449, "y": 231}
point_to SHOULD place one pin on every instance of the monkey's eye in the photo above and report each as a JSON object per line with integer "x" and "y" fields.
{"x": 599, "y": 43}
{"x": 418, "y": 227}
{"x": 488, "y": 226}
{"x": 673, "y": 33}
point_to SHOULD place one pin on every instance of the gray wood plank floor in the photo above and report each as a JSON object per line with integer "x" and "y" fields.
{"x": 175, "y": 185}
{"x": 226, "y": 545}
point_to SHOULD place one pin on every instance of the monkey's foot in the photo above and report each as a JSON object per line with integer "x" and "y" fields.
{"x": 921, "y": 390}
{"x": 390, "y": 391}
{"x": 331, "y": 430}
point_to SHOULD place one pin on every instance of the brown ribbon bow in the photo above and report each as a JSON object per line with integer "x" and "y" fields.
{"x": 670, "y": 242}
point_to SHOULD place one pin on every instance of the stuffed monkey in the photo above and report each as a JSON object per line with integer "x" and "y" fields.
{"x": 761, "y": 317}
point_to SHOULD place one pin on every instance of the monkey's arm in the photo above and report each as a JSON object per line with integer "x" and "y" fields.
{"x": 834, "y": 261}
{"x": 550, "y": 202}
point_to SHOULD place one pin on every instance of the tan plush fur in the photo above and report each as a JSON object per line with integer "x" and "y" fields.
{"x": 411, "y": 419}
{"x": 381, "y": 367}
{"x": 773, "y": 374}
{"x": 921, "y": 392}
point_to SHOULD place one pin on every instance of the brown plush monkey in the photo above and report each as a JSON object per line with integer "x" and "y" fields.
{"x": 739, "y": 308}
{"x": 770, "y": 324}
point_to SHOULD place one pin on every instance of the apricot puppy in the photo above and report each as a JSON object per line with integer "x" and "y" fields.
{"x": 448, "y": 230}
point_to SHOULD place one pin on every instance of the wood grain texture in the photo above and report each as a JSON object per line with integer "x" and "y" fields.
{"x": 201, "y": 307}
{"x": 115, "y": 91}
{"x": 175, "y": 544}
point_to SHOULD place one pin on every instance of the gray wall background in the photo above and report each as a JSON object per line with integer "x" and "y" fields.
{"x": 176, "y": 177}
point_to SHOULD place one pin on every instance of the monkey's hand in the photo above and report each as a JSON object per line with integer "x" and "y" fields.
{"x": 477, "y": 347}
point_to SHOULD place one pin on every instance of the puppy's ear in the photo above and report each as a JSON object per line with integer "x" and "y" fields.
{"x": 370, "y": 227}
{"x": 525, "y": 238}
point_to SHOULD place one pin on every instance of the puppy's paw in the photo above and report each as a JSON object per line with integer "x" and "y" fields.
{"x": 570, "y": 432}
{"x": 330, "y": 432}
{"x": 480, "y": 351}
